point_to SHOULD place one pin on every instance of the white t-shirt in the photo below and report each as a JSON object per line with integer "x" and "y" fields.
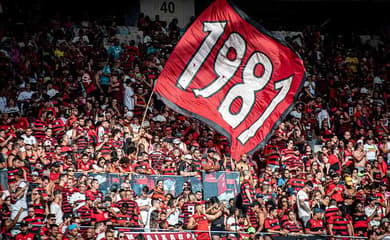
{"x": 135, "y": 127}
{"x": 322, "y": 116}
{"x": 100, "y": 132}
{"x": 147, "y": 222}
{"x": 25, "y": 95}
{"x": 52, "y": 92}
{"x": 21, "y": 202}
{"x": 141, "y": 203}
{"x": 128, "y": 99}
{"x": 302, "y": 195}
{"x": 370, "y": 151}
{"x": 29, "y": 139}
{"x": 233, "y": 223}
{"x": 159, "y": 118}
{"x": 369, "y": 211}
{"x": 388, "y": 154}
{"x": 3, "y": 103}
{"x": 12, "y": 109}
{"x": 173, "y": 219}
{"x": 56, "y": 209}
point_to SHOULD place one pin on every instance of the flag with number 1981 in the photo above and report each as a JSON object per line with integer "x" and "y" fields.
{"x": 232, "y": 74}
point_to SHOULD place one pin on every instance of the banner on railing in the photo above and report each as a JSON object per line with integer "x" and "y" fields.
{"x": 225, "y": 185}
{"x": 172, "y": 184}
{"x": 161, "y": 236}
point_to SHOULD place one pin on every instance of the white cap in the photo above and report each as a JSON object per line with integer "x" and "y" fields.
{"x": 188, "y": 156}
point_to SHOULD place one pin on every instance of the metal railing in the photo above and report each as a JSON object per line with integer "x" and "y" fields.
{"x": 131, "y": 233}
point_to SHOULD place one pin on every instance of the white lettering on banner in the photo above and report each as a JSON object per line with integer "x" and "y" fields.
{"x": 246, "y": 90}
{"x": 284, "y": 86}
{"x": 225, "y": 69}
{"x": 161, "y": 236}
{"x": 215, "y": 30}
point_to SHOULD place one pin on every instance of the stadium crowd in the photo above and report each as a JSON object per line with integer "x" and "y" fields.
{"x": 71, "y": 105}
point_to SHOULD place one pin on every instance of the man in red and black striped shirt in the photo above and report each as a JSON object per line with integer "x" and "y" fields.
{"x": 316, "y": 225}
{"x": 247, "y": 192}
{"x": 80, "y": 135}
{"x": 105, "y": 148}
{"x": 188, "y": 208}
{"x": 85, "y": 212}
{"x": 340, "y": 225}
{"x": 271, "y": 223}
{"x": 31, "y": 218}
{"x": 331, "y": 210}
{"x": 296, "y": 183}
{"x": 157, "y": 157}
{"x": 123, "y": 218}
{"x": 256, "y": 216}
{"x": 94, "y": 192}
{"x": 272, "y": 155}
{"x": 292, "y": 225}
{"x": 360, "y": 219}
{"x": 39, "y": 126}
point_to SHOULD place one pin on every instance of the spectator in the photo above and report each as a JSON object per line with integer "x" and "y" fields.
{"x": 304, "y": 210}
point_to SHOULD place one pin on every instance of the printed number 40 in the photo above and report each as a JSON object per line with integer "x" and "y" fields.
{"x": 225, "y": 68}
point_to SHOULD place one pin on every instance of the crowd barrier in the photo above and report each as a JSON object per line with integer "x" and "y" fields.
{"x": 133, "y": 233}
{"x": 225, "y": 185}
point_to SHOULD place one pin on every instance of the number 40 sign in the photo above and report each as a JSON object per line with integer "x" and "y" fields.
{"x": 233, "y": 75}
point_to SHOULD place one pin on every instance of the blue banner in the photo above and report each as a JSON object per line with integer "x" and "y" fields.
{"x": 225, "y": 185}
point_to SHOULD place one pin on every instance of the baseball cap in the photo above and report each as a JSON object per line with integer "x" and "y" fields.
{"x": 251, "y": 230}
{"x": 176, "y": 141}
{"x": 318, "y": 210}
{"x": 334, "y": 175}
{"x": 259, "y": 195}
{"x": 187, "y": 156}
{"x": 107, "y": 199}
{"x": 24, "y": 224}
{"x": 370, "y": 198}
{"x": 56, "y": 164}
{"x": 348, "y": 181}
{"x": 72, "y": 226}
{"x": 35, "y": 173}
{"x": 210, "y": 150}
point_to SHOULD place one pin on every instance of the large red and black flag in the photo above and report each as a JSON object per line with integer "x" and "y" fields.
{"x": 234, "y": 75}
